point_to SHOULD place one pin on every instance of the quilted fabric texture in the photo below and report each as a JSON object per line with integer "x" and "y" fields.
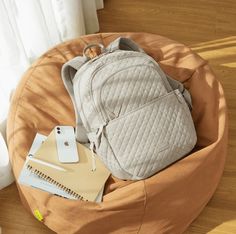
{"x": 143, "y": 141}
{"x": 113, "y": 85}
{"x": 144, "y": 82}
{"x": 164, "y": 203}
{"x": 110, "y": 75}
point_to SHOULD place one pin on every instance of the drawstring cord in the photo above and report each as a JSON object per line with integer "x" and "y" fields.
{"x": 93, "y": 156}
{"x": 94, "y": 138}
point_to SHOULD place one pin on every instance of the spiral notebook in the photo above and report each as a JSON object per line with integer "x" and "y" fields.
{"x": 29, "y": 179}
{"x": 77, "y": 179}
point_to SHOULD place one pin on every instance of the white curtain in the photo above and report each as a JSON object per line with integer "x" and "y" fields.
{"x": 30, "y": 27}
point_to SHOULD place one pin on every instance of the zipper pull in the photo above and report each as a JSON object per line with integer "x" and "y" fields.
{"x": 93, "y": 156}
{"x": 95, "y": 137}
{"x": 100, "y": 130}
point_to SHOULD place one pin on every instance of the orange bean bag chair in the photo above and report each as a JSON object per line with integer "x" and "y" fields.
{"x": 165, "y": 203}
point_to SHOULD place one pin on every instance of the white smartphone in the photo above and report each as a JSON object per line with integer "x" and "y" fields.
{"x": 66, "y": 144}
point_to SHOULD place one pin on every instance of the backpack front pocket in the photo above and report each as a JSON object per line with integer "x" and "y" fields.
{"x": 152, "y": 136}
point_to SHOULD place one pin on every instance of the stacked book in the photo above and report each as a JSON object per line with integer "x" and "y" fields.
{"x": 48, "y": 167}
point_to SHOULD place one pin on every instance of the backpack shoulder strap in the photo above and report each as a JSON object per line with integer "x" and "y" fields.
{"x": 123, "y": 43}
{"x": 68, "y": 72}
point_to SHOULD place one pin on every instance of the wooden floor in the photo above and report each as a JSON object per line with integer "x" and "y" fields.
{"x": 209, "y": 28}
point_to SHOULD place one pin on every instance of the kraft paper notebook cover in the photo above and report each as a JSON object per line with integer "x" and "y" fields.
{"x": 78, "y": 180}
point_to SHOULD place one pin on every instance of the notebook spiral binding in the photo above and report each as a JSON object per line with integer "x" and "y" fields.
{"x": 52, "y": 181}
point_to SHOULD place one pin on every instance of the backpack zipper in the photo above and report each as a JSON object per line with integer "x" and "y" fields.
{"x": 100, "y": 107}
{"x": 87, "y": 126}
{"x": 105, "y": 120}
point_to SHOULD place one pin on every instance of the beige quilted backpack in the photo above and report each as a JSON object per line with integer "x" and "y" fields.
{"x": 135, "y": 117}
